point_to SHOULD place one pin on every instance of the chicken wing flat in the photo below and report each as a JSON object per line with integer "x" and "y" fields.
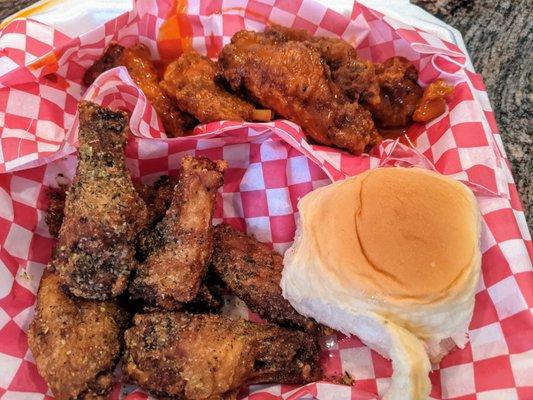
{"x": 191, "y": 81}
{"x": 103, "y": 212}
{"x": 292, "y": 79}
{"x": 76, "y": 343}
{"x": 202, "y": 357}
{"x": 137, "y": 61}
{"x": 180, "y": 246}
{"x": 253, "y": 271}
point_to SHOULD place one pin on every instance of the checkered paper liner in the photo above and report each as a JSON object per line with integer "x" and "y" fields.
{"x": 271, "y": 167}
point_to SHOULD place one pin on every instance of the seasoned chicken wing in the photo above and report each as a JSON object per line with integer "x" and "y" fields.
{"x": 179, "y": 249}
{"x": 191, "y": 81}
{"x": 76, "y": 343}
{"x": 203, "y": 357}
{"x": 141, "y": 69}
{"x": 103, "y": 212}
{"x": 292, "y": 79}
{"x": 253, "y": 271}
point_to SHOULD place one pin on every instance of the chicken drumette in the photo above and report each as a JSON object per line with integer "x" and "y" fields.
{"x": 103, "y": 212}
{"x": 137, "y": 61}
{"x": 179, "y": 248}
{"x": 203, "y": 357}
{"x": 76, "y": 343}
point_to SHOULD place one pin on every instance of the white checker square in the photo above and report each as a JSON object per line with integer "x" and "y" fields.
{"x": 357, "y": 362}
{"x": 465, "y": 111}
{"x": 522, "y": 224}
{"x": 281, "y": 248}
{"x": 279, "y": 202}
{"x": 259, "y": 228}
{"x": 422, "y": 143}
{"x": 9, "y": 366}
{"x": 298, "y": 170}
{"x": 49, "y": 130}
{"x": 383, "y": 385}
{"x": 18, "y": 241}
{"x": 44, "y": 33}
{"x": 507, "y": 297}
{"x": 253, "y": 178}
{"x": 472, "y": 156}
{"x": 6, "y": 205}
{"x": 503, "y": 394}
{"x": 10, "y": 395}
{"x": 273, "y": 150}
{"x": 333, "y": 392}
{"x": 488, "y": 342}
{"x": 280, "y": 17}
{"x": 212, "y": 24}
{"x": 457, "y": 381}
{"x": 522, "y": 365}
{"x": 445, "y": 142}
{"x": 198, "y": 44}
{"x": 237, "y": 155}
{"x": 487, "y": 238}
{"x": 516, "y": 254}
{"x": 23, "y": 104}
{"x": 232, "y": 205}
{"x": 4, "y": 317}
{"x": 314, "y": 14}
{"x": 152, "y": 149}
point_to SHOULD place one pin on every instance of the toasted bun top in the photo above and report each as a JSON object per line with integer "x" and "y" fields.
{"x": 394, "y": 233}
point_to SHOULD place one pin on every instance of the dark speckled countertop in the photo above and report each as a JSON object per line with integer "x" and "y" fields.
{"x": 499, "y": 38}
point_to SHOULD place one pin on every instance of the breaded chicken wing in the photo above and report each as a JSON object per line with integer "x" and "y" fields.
{"x": 76, "y": 343}
{"x": 292, "y": 79}
{"x": 203, "y": 357}
{"x": 253, "y": 271}
{"x": 179, "y": 249}
{"x": 190, "y": 80}
{"x": 137, "y": 61}
{"x": 103, "y": 211}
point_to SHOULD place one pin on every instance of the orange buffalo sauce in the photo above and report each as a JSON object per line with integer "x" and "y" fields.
{"x": 433, "y": 101}
{"x": 175, "y": 34}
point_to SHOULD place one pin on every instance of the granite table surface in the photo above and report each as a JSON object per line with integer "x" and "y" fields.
{"x": 499, "y": 37}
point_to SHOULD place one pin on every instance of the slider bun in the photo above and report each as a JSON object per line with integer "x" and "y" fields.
{"x": 392, "y": 256}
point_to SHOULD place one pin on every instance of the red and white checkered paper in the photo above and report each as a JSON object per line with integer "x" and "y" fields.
{"x": 271, "y": 167}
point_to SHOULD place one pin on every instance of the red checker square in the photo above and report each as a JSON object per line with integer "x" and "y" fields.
{"x": 213, "y": 45}
{"x": 334, "y": 22}
{"x": 237, "y": 223}
{"x": 365, "y": 385}
{"x": 232, "y": 179}
{"x": 482, "y": 175}
{"x": 5, "y": 225}
{"x": 525, "y": 393}
{"x": 449, "y": 162}
{"x": 50, "y": 111}
{"x": 457, "y": 356}
{"x": 493, "y": 373}
{"x": 502, "y": 225}
{"x": 438, "y": 129}
{"x": 37, "y": 47}
{"x": 489, "y": 115}
{"x": 296, "y": 192}
{"x": 494, "y": 266}
{"x": 291, "y": 6}
{"x": 210, "y": 7}
{"x": 461, "y": 92}
{"x": 317, "y": 174}
{"x": 476, "y": 79}
{"x": 348, "y": 342}
{"x": 13, "y": 340}
{"x": 24, "y": 215}
{"x": 147, "y": 24}
{"x": 74, "y": 71}
{"x": 196, "y": 25}
{"x": 484, "y": 311}
{"x": 41, "y": 249}
{"x": 213, "y": 153}
{"x": 411, "y": 36}
{"x": 12, "y": 121}
{"x": 17, "y": 300}
{"x": 258, "y": 11}
{"x": 382, "y": 366}
{"x": 231, "y": 24}
{"x": 525, "y": 283}
{"x": 518, "y": 331}
{"x": 274, "y": 173}
{"x": 254, "y": 203}
{"x": 436, "y": 390}
{"x": 382, "y": 51}
{"x": 516, "y": 203}
{"x": 28, "y": 379}
{"x": 282, "y": 228}
{"x": 469, "y": 134}
{"x": 300, "y": 23}
{"x": 153, "y": 165}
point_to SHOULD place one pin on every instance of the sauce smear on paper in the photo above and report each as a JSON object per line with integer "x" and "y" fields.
{"x": 175, "y": 34}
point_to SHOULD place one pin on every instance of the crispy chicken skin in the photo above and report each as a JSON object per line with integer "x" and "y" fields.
{"x": 103, "y": 212}
{"x": 76, "y": 343}
{"x": 203, "y": 357}
{"x": 55, "y": 208}
{"x": 353, "y": 75}
{"x": 191, "y": 81}
{"x": 292, "y": 79}
{"x": 137, "y": 61}
{"x": 179, "y": 249}
{"x": 253, "y": 271}
{"x": 400, "y": 93}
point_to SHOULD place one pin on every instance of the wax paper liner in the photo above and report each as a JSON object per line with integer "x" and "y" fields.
{"x": 271, "y": 167}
